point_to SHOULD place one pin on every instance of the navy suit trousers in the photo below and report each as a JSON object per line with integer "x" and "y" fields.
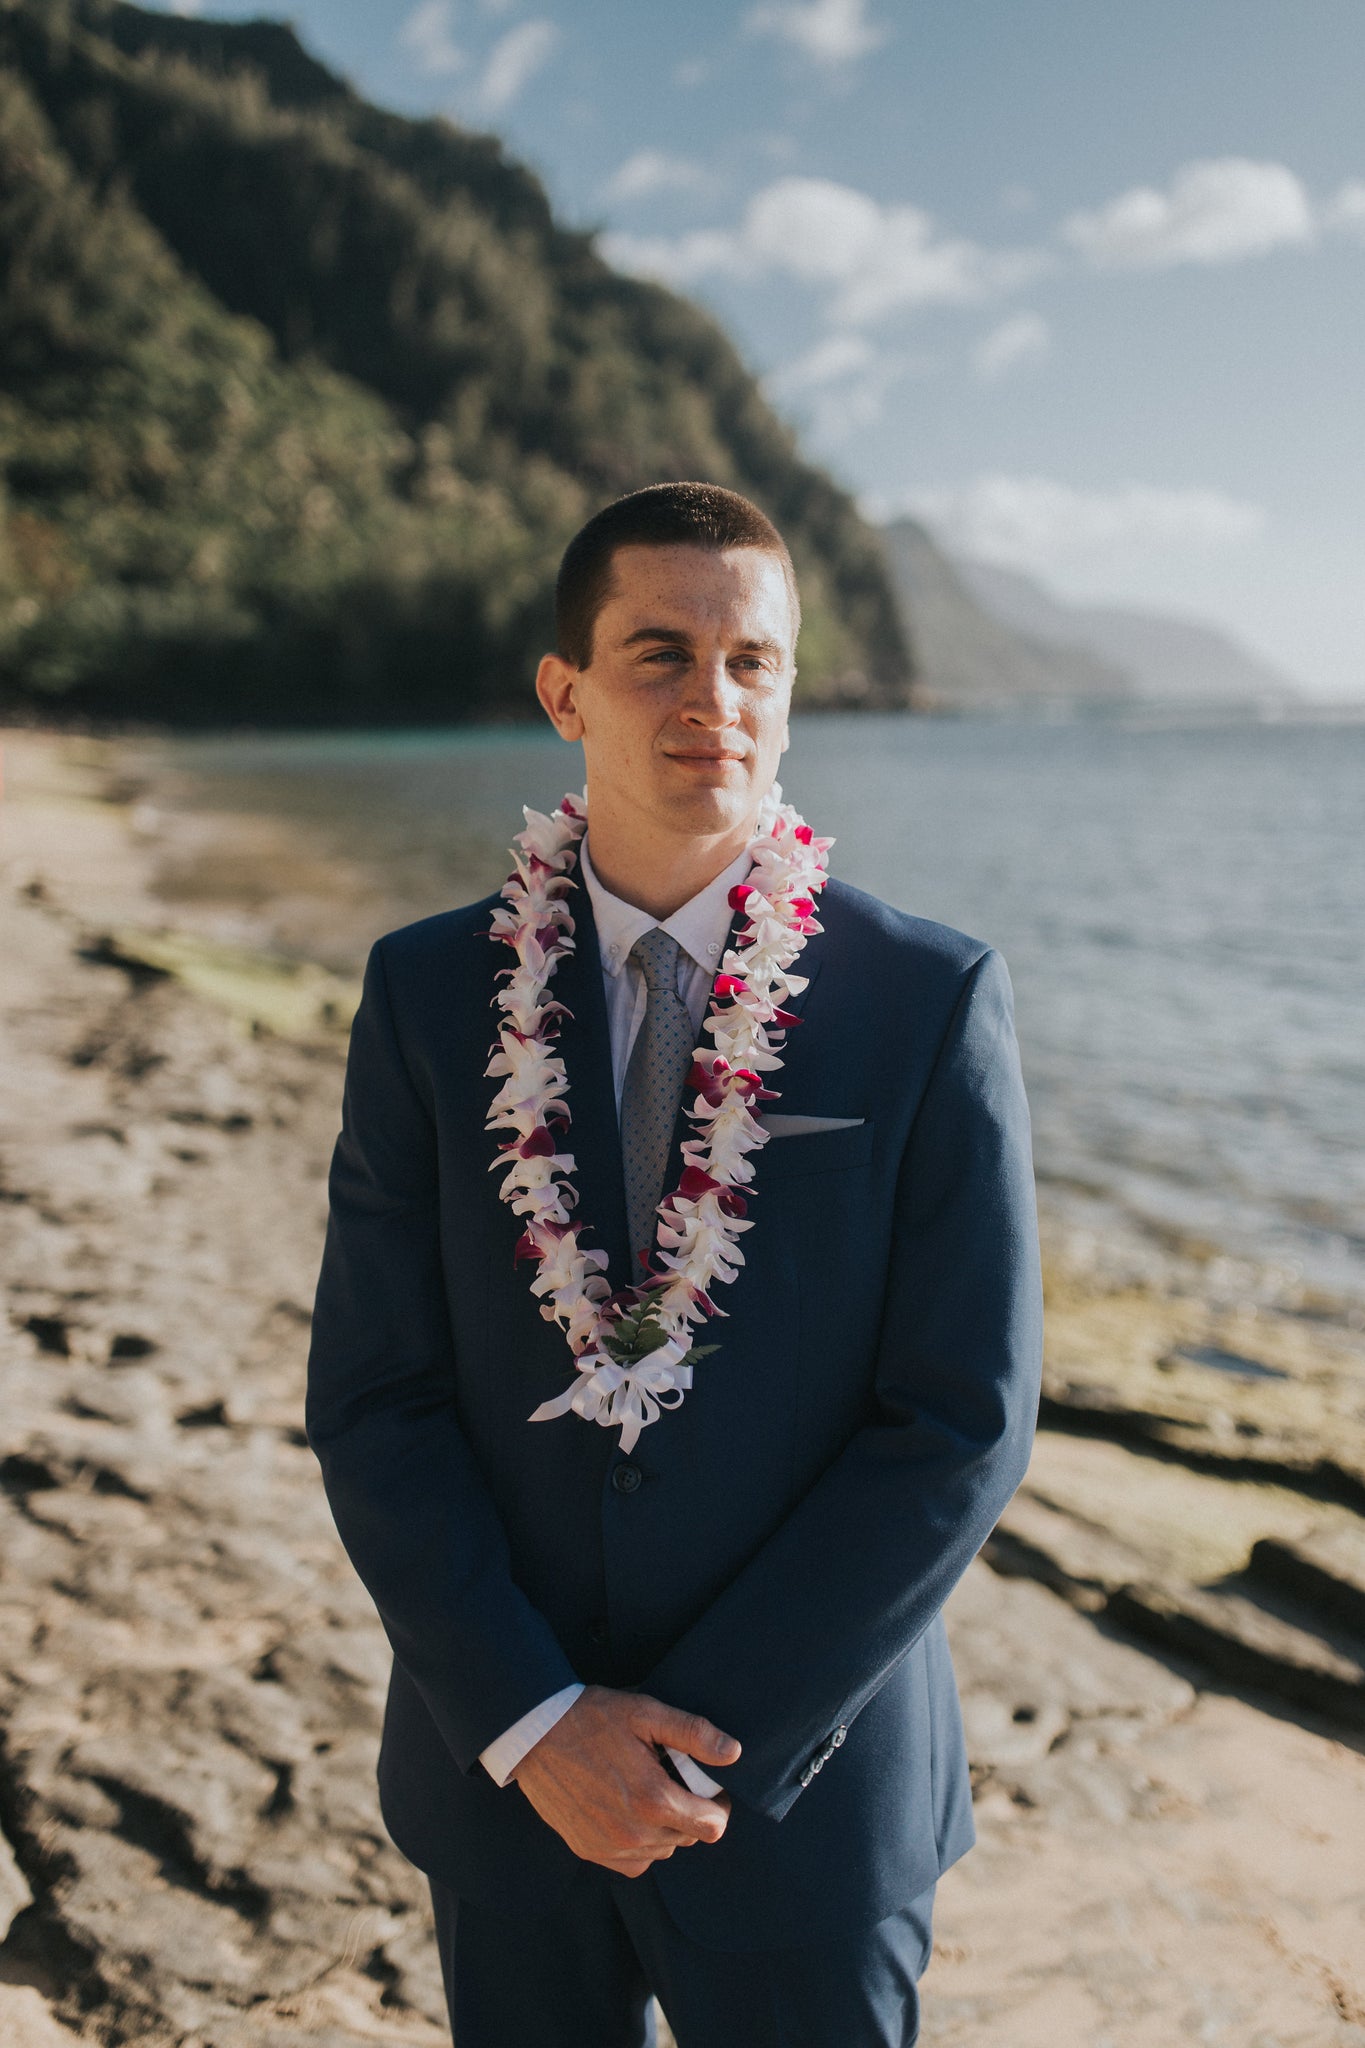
{"x": 583, "y": 1976}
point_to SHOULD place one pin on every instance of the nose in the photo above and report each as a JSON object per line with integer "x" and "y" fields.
{"x": 711, "y": 702}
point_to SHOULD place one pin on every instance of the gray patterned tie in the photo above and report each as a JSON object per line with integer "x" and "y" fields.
{"x": 659, "y": 1061}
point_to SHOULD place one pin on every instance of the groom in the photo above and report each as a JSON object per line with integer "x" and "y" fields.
{"x": 680, "y": 1719}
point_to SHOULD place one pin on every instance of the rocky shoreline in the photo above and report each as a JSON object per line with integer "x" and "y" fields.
{"x": 1162, "y": 1650}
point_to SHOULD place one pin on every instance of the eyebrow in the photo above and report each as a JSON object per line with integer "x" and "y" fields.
{"x": 675, "y": 636}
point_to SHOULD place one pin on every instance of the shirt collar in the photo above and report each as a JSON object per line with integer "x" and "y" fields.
{"x": 700, "y": 926}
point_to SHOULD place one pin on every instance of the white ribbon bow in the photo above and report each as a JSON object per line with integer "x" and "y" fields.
{"x": 626, "y": 1395}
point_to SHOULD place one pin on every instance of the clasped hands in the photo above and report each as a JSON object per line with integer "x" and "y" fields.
{"x": 598, "y": 1780}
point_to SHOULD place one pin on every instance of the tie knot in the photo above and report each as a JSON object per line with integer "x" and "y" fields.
{"x": 656, "y": 956}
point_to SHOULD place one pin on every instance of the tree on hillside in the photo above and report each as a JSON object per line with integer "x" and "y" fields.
{"x": 302, "y": 399}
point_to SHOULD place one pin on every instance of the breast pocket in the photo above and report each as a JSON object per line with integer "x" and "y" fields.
{"x": 799, "y": 1154}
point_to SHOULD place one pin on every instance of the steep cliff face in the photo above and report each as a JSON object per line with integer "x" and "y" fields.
{"x": 302, "y": 398}
{"x": 967, "y": 657}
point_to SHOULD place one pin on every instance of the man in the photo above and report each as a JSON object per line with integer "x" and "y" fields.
{"x": 676, "y": 1715}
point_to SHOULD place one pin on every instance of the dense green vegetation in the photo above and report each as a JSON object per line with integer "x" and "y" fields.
{"x": 300, "y": 400}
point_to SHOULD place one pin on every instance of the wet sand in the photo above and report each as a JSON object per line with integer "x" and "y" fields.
{"x": 1161, "y": 1651}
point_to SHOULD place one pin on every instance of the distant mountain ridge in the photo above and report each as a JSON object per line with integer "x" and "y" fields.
{"x": 966, "y": 657}
{"x": 300, "y": 399}
{"x": 987, "y": 637}
{"x": 1166, "y": 657}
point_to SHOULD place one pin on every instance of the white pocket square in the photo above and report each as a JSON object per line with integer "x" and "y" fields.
{"x": 799, "y": 1126}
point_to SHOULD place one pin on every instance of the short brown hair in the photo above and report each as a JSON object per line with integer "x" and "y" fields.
{"x": 687, "y": 515}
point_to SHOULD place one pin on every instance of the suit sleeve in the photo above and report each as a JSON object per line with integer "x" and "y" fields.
{"x": 816, "y": 1621}
{"x": 407, "y": 1496}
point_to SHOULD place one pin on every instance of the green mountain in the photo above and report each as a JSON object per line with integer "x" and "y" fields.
{"x": 300, "y": 400}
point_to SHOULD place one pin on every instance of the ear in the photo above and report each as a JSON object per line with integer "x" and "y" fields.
{"x": 556, "y": 686}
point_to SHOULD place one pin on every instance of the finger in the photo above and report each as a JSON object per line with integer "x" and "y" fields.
{"x": 705, "y": 1819}
{"x": 647, "y": 1848}
{"x": 673, "y": 1809}
{"x": 691, "y": 1733}
{"x": 649, "y": 1829}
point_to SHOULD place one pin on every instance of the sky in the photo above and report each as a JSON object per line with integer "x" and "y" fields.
{"x": 1081, "y": 283}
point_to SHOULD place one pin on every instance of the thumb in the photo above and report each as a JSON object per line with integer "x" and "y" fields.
{"x": 691, "y": 1733}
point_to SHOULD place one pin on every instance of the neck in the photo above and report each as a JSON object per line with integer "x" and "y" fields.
{"x": 660, "y": 877}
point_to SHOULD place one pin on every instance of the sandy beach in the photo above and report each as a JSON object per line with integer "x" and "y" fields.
{"x": 1161, "y": 1650}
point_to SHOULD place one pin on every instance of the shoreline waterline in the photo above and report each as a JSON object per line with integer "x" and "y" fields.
{"x": 1174, "y": 901}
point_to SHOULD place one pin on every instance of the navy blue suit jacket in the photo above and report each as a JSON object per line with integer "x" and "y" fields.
{"x": 782, "y": 1565}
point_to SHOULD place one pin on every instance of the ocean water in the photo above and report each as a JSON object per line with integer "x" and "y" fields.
{"x": 1181, "y": 906}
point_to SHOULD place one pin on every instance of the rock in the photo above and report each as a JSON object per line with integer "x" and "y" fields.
{"x": 1038, "y": 1681}
{"x": 1235, "y": 1636}
{"x": 14, "y": 1891}
{"x": 1191, "y": 1574}
{"x": 1134, "y": 1365}
{"x": 1325, "y": 1568}
{"x": 26, "y": 2020}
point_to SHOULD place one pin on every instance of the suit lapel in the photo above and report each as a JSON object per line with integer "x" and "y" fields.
{"x": 594, "y": 1137}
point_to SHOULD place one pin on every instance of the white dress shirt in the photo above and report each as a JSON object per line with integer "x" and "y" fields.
{"x": 700, "y": 928}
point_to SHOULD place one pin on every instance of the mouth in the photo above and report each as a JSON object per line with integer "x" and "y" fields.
{"x": 716, "y": 760}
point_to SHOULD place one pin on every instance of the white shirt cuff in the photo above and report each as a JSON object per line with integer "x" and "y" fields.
{"x": 501, "y": 1758}
{"x": 692, "y": 1774}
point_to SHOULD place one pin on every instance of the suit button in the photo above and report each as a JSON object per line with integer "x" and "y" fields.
{"x": 818, "y": 1765}
{"x": 839, "y": 1736}
{"x": 597, "y": 1633}
{"x": 627, "y": 1478}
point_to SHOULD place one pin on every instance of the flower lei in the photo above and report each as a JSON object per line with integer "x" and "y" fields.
{"x": 632, "y": 1349}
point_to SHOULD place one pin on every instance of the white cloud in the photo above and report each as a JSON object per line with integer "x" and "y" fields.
{"x": 1345, "y": 210}
{"x": 831, "y": 32}
{"x": 868, "y": 259}
{"x": 839, "y": 386}
{"x": 679, "y": 260}
{"x": 513, "y": 62}
{"x": 1037, "y": 524}
{"x": 653, "y": 170}
{"x": 813, "y": 229}
{"x": 691, "y": 71}
{"x": 1022, "y": 339}
{"x": 830, "y": 361}
{"x": 426, "y": 36}
{"x": 1218, "y": 210}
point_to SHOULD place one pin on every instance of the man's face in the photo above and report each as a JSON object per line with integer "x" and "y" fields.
{"x": 683, "y": 709}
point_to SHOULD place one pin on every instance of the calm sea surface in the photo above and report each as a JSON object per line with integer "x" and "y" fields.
{"x": 1182, "y": 910}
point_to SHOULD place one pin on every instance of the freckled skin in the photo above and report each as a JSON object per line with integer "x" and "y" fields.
{"x": 682, "y": 714}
